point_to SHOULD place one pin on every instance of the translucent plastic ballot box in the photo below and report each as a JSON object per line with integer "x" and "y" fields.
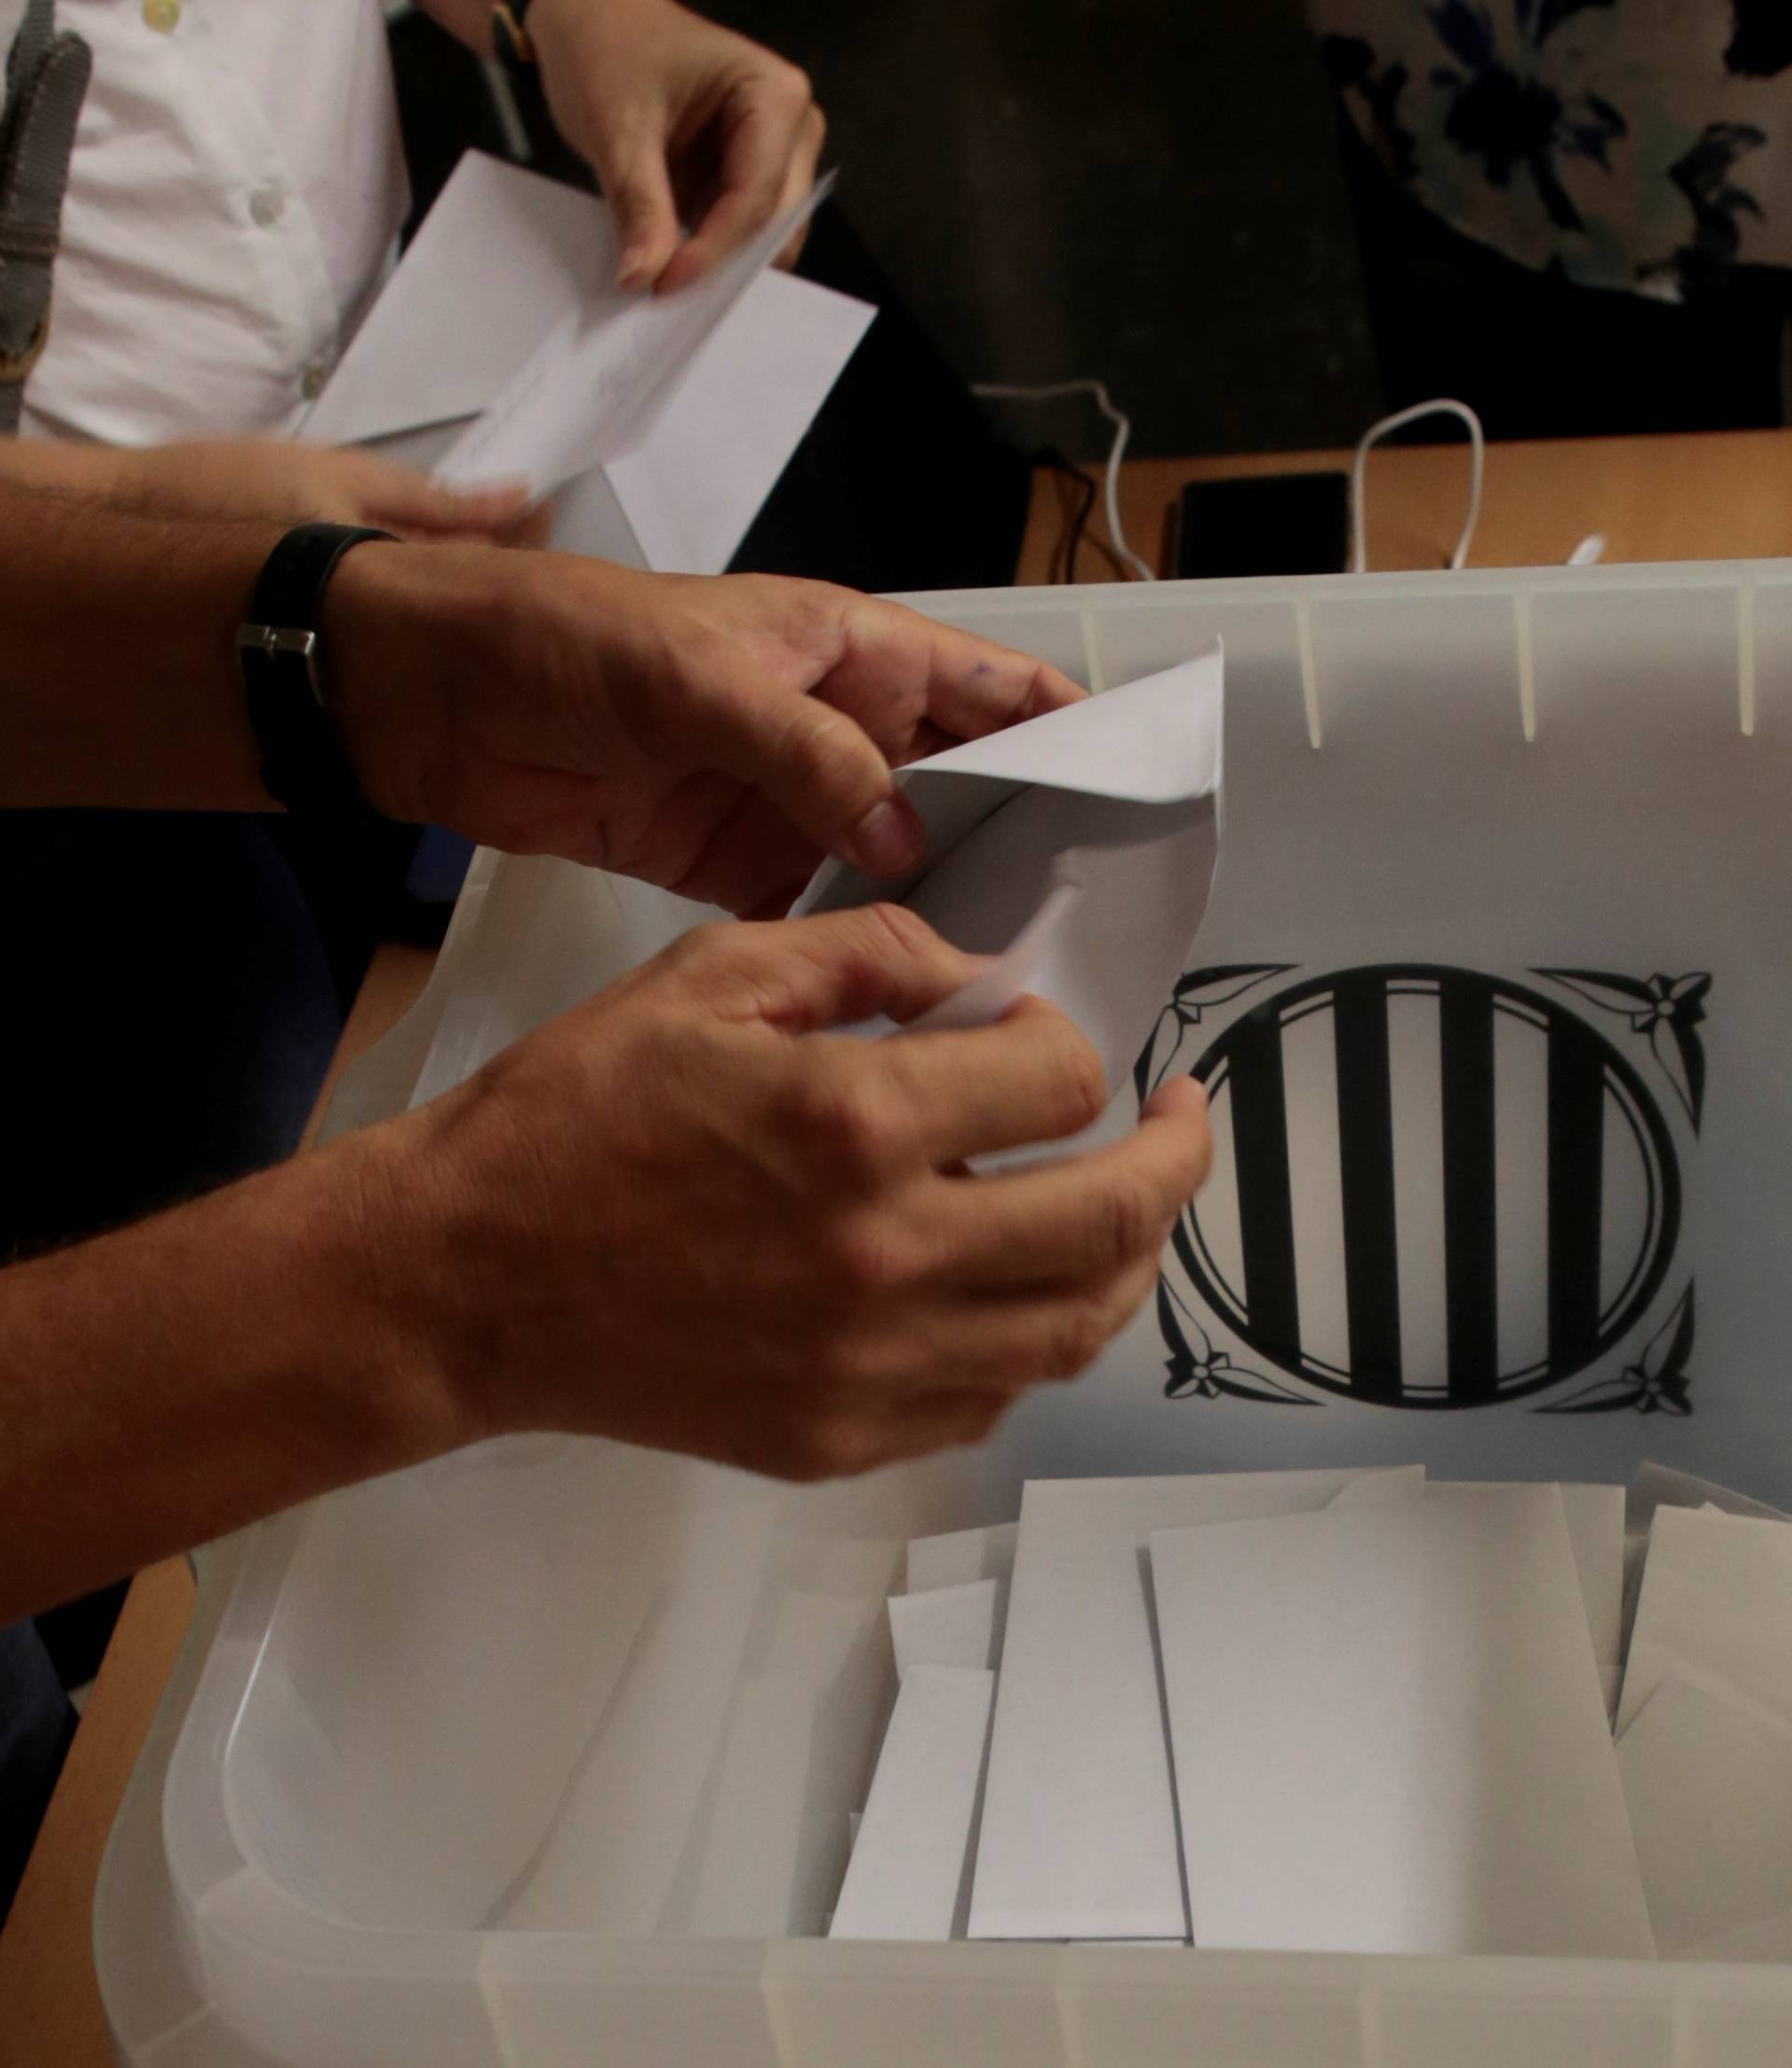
{"x": 542, "y": 1756}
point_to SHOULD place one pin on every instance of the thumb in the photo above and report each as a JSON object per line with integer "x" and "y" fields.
{"x": 819, "y": 769}
{"x": 638, "y": 186}
{"x": 803, "y": 976}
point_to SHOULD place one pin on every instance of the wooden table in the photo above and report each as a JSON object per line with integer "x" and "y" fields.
{"x": 1722, "y": 496}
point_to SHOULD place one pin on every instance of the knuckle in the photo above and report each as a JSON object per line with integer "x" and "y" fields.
{"x": 821, "y": 743}
{"x": 1127, "y": 1224}
{"x": 1076, "y": 1337}
{"x": 798, "y": 1456}
{"x": 832, "y": 1446}
{"x": 847, "y": 1125}
{"x": 699, "y": 945}
{"x": 1130, "y": 1292}
{"x": 791, "y": 83}
{"x": 895, "y": 927}
{"x": 868, "y": 1254}
{"x": 1083, "y": 1087}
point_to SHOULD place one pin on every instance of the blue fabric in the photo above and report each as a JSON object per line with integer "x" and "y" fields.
{"x": 169, "y": 1012}
{"x": 36, "y": 1725}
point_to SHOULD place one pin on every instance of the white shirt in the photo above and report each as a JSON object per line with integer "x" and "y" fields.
{"x": 236, "y": 186}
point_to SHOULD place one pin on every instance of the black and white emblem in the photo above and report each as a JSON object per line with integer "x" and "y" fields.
{"x": 1433, "y": 1187}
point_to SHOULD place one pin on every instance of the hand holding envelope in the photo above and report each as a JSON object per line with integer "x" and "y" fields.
{"x": 696, "y": 400}
{"x": 1078, "y": 851}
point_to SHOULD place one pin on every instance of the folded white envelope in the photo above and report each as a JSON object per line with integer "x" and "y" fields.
{"x": 1078, "y": 849}
{"x": 1708, "y": 1783}
{"x": 1387, "y": 1733}
{"x": 693, "y": 402}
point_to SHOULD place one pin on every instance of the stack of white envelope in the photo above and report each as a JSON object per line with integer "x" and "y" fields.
{"x": 1344, "y": 1710}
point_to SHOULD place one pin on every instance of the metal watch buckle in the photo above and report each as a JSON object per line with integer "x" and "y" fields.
{"x": 513, "y": 39}
{"x": 15, "y": 367}
{"x": 273, "y": 640}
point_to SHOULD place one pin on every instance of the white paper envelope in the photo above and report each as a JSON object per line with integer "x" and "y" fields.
{"x": 502, "y": 259}
{"x": 1595, "y": 1517}
{"x": 1716, "y": 1599}
{"x": 1379, "y": 1489}
{"x": 1708, "y": 1783}
{"x": 721, "y": 381}
{"x": 1387, "y": 1733}
{"x": 909, "y": 1875}
{"x": 599, "y": 382}
{"x": 961, "y": 1556}
{"x": 1079, "y": 1828}
{"x": 1078, "y": 848}
{"x": 950, "y": 1626}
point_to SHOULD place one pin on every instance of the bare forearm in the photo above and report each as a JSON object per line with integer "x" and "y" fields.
{"x": 175, "y": 1380}
{"x": 117, "y": 675}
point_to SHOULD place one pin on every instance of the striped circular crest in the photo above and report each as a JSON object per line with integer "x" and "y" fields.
{"x": 1431, "y": 1188}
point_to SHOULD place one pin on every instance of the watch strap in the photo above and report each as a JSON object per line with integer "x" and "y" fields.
{"x": 302, "y": 762}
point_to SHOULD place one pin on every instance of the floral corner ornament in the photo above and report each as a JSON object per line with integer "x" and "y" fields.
{"x": 1664, "y": 1011}
{"x": 1196, "y": 994}
{"x": 1197, "y": 1371}
{"x": 1656, "y": 1384}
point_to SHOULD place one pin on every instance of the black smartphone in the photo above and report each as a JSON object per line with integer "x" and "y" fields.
{"x": 1262, "y": 525}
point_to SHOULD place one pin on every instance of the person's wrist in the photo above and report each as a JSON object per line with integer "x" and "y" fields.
{"x": 405, "y": 633}
{"x": 393, "y": 1241}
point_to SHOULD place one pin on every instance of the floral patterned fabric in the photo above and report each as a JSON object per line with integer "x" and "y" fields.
{"x": 1636, "y": 144}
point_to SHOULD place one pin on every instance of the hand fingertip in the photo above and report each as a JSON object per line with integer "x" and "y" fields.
{"x": 890, "y": 839}
{"x": 1066, "y": 690}
{"x": 1187, "y": 1093}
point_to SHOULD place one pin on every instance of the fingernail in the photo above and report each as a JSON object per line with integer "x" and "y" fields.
{"x": 889, "y": 839}
{"x": 632, "y": 273}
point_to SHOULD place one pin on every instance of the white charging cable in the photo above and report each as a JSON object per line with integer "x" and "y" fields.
{"x": 1398, "y": 420}
{"x": 997, "y": 391}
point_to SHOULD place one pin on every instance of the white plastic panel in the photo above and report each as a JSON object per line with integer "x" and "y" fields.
{"x": 1737, "y": 2018}
{"x": 1170, "y": 2007}
{"x": 1520, "y": 2014}
{"x": 888, "y": 2007}
{"x": 572, "y": 2002}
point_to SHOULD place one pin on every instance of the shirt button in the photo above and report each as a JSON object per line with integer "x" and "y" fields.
{"x": 312, "y": 384}
{"x": 268, "y": 203}
{"x": 162, "y": 16}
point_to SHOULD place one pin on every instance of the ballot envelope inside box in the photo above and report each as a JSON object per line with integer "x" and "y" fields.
{"x": 1492, "y": 1002}
{"x": 500, "y": 348}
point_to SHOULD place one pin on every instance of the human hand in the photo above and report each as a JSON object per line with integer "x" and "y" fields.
{"x": 680, "y": 119}
{"x": 253, "y": 478}
{"x": 686, "y": 1215}
{"x": 714, "y": 735}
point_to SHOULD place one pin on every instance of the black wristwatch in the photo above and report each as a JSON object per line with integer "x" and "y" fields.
{"x": 302, "y": 762}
